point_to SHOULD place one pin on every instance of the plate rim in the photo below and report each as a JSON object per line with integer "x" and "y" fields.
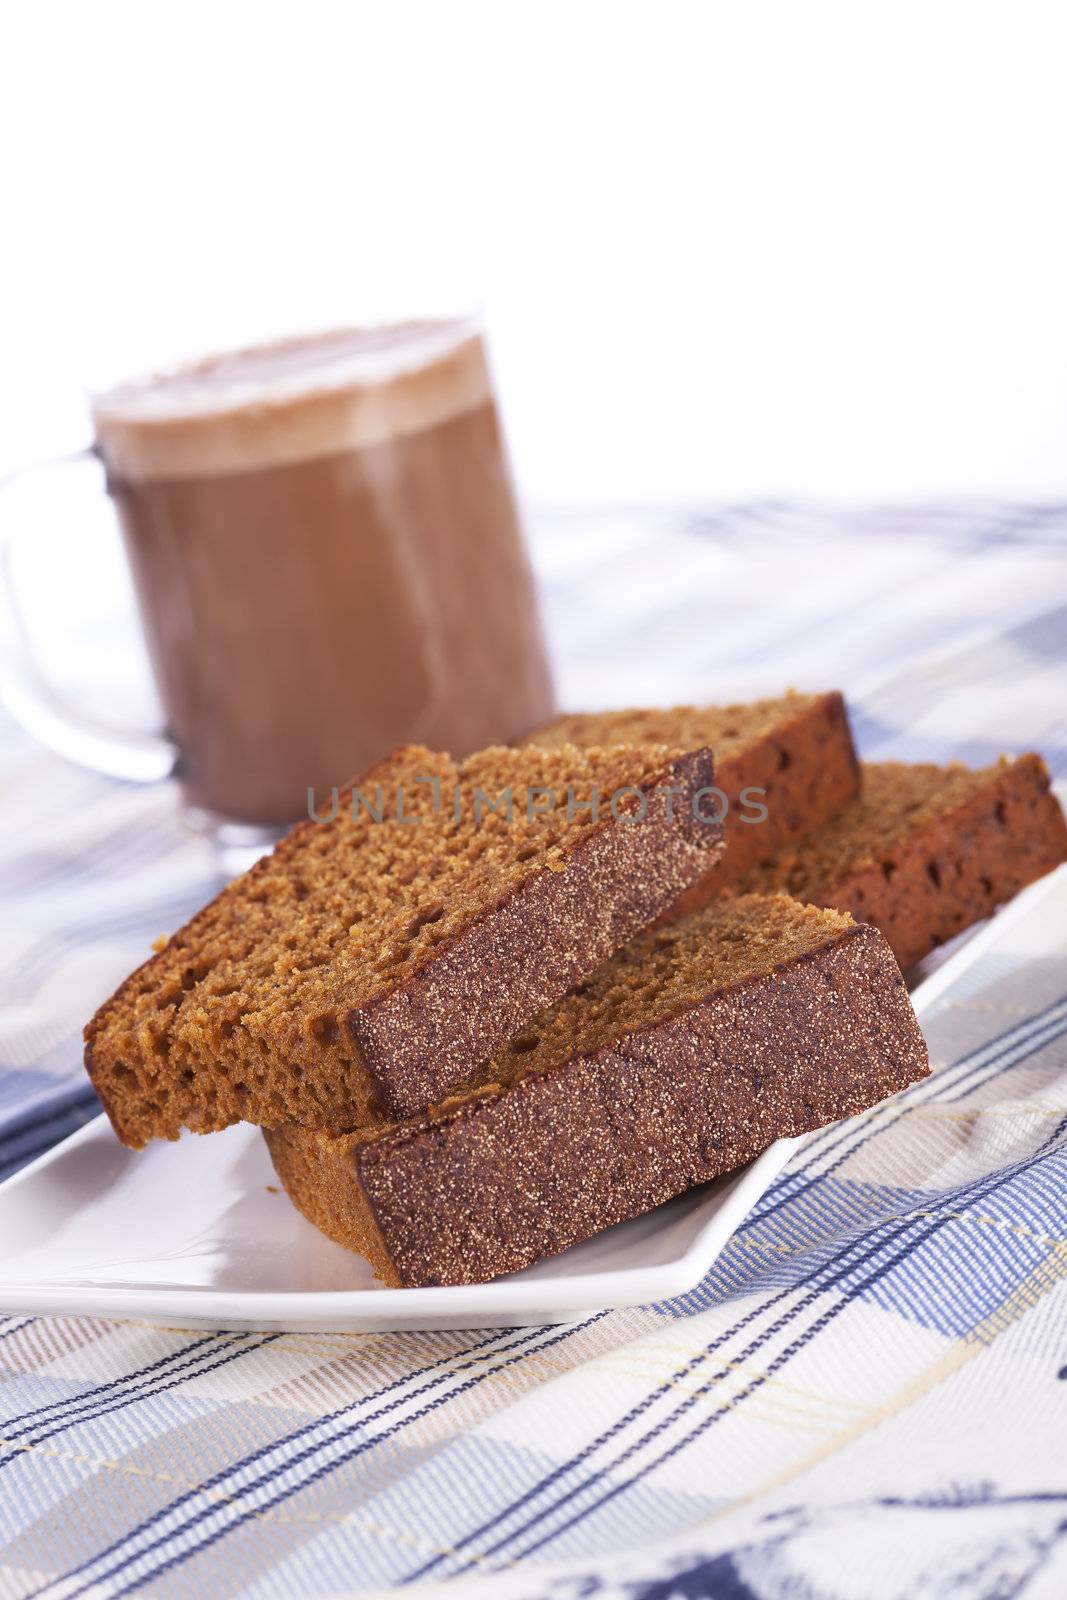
{"x": 658, "y": 1281}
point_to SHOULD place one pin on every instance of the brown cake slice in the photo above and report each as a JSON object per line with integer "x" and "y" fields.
{"x": 926, "y": 851}
{"x": 684, "y": 1056}
{"x": 368, "y": 967}
{"x": 797, "y": 751}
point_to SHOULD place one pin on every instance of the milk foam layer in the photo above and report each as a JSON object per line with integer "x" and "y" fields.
{"x": 291, "y": 401}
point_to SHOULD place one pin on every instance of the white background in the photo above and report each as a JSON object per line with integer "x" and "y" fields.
{"x": 726, "y": 249}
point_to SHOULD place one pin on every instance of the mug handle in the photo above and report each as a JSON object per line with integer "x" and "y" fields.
{"x": 31, "y": 700}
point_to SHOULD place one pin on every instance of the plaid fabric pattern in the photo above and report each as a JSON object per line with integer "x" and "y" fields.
{"x": 866, "y": 1397}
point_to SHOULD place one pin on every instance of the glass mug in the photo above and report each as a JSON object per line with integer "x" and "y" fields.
{"x": 328, "y": 562}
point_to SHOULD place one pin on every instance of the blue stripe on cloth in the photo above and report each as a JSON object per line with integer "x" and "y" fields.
{"x": 21, "y": 1440}
{"x": 10, "y": 1325}
{"x": 318, "y": 1441}
{"x": 70, "y": 1403}
{"x": 26, "y": 1092}
{"x": 50, "y": 1098}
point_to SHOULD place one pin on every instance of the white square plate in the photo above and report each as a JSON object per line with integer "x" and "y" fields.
{"x": 198, "y": 1234}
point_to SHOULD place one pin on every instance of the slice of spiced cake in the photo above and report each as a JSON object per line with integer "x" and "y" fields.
{"x": 372, "y": 962}
{"x": 685, "y": 1055}
{"x": 926, "y": 851}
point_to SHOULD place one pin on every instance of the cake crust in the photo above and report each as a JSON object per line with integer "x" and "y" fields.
{"x": 492, "y": 1182}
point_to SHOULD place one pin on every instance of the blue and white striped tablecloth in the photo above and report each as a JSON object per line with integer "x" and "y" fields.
{"x": 867, "y": 1396}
